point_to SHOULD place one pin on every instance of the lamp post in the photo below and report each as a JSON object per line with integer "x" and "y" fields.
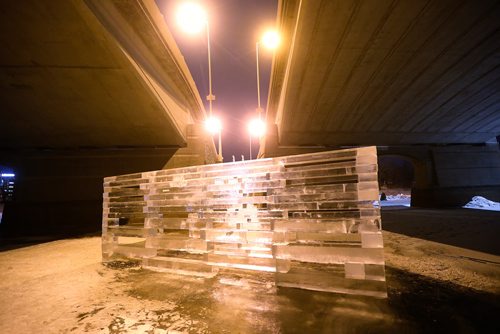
{"x": 271, "y": 40}
{"x": 259, "y": 109}
{"x": 213, "y": 126}
{"x": 192, "y": 18}
{"x": 256, "y": 127}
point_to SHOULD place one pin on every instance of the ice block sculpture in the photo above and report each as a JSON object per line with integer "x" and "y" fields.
{"x": 312, "y": 219}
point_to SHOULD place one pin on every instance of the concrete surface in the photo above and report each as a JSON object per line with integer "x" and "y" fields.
{"x": 88, "y": 89}
{"x": 386, "y": 73}
{"x": 69, "y": 80}
{"x": 436, "y": 284}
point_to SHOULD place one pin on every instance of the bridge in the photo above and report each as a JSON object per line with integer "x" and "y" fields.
{"x": 93, "y": 88}
{"x": 419, "y": 79}
{"x": 90, "y": 89}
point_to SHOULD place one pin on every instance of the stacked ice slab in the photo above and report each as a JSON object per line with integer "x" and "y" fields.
{"x": 310, "y": 219}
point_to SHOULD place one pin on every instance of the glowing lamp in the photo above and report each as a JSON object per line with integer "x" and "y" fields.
{"x": 271, "y": 39}
{"x": 213, "y": 125}
{"x": 256, "y": 128}
{"x": 191, "y": 17}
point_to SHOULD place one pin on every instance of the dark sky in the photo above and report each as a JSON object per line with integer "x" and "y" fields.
{"x": 235, "y": 27}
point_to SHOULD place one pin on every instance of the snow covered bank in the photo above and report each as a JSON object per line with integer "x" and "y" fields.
{"x": 397, "y": 200}
{"x": 482, "y": 203}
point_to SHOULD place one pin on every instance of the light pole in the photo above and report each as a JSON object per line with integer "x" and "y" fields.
{"x": 271, "y": 40}
{"x": 257, "y": 127}
{"x": 192, "y": 19}
{"x": 250, "y": 139}
{"x": 259, "y": 109}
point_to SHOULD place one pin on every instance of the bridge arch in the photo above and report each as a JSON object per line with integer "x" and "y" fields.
{"x": 405, "y": 170}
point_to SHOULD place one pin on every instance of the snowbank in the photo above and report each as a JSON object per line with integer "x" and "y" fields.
{"x": 482, "y": 203}
{"x": 398, "y": 197}
{"x": 397, "y": 200}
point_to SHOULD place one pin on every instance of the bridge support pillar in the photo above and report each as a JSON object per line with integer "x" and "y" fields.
{"x": 200, "y": 149}
{"x": 458, "y": 173}
{"x": 444, "y": 176}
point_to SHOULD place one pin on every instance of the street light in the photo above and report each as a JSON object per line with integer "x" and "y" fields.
{"x": 213, "y": 125}
{"x": 192, "y": 18}
{"x": 256, "y": 127}
{"x": 270, "y": 40}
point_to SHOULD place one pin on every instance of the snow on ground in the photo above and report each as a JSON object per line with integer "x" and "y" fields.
{"x": 482, "y": 203}
{"x": 398, "y": 197}
{"x": 477, "y": 202}
{"x": 397, "y": 200}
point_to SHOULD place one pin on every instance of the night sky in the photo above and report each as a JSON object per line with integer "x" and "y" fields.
{"x": 235, "y": 27}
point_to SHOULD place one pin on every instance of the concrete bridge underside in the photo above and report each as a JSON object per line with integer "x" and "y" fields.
{"x": 89, "y": 89}
{"x": 416, "y": 78}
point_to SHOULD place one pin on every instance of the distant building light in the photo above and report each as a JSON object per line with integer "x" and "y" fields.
{"x": 8, "y": 175}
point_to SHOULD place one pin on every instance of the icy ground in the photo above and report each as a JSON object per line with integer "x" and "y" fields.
{"x": 442, "y": 267}
{"x": 482, "y": 203}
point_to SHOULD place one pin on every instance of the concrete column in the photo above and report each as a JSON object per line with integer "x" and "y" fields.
{"x": 200, "y": 149}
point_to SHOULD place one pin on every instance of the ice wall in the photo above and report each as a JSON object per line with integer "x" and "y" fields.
{"x": 310, "y": 219}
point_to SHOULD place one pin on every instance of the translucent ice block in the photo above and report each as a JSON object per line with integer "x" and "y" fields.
{"x": 309, "y": 219}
